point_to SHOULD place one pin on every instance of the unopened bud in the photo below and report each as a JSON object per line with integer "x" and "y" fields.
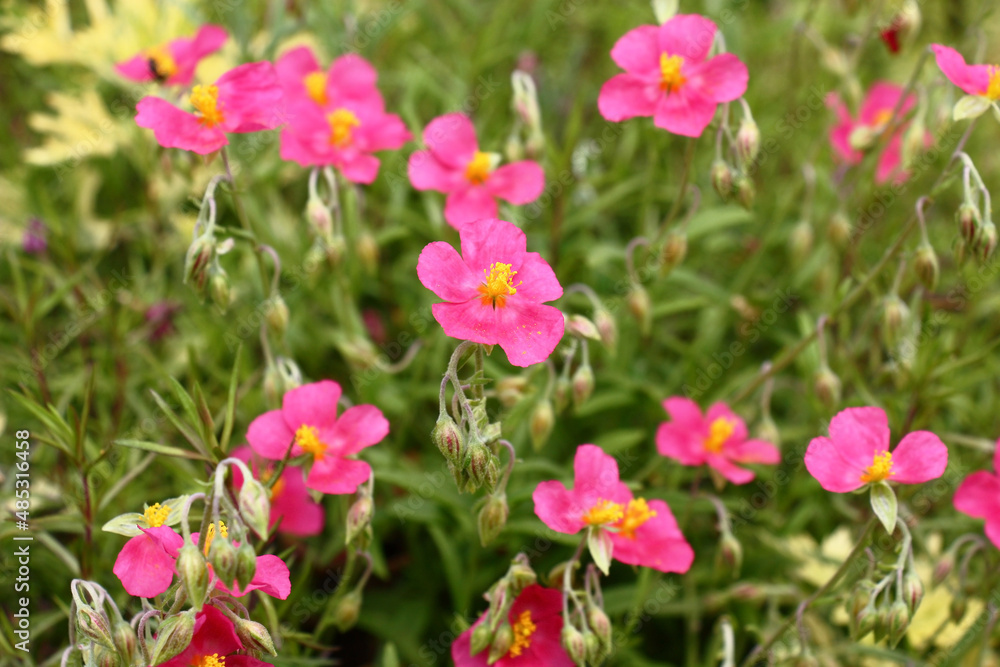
{"x": 639, "y": 304}
{"x": 731, "y": 553}
{"x": 674, "y": 251}
{"x": 510, "y": 389}
{"x": 255, "y": 637}
{"x": 594, "y": 650}
{"x": 479, "y": 461}
{"x": 126, "y": 641}
{"x": 513, "y": 148}
{"x": 543, "y": 418}
{"x": 925, "y": 263}
{"x": 913, "y": 591}
{"x": 197, "y": 262}
{"x": 800, "y": 241}
{"x": 986, "y": 243}
{"x": 273, "y": 388}
{"x": 895, "y": 315}
{"x": 768, "y": 431}
{"x": 277, "y": 315}
{"x": 958, "y": 607}
{"x": 827, "y": 387}
{"x": 246, "y": 564}
{"x": 722, "y": 179}
{"x": 220, "y": 290}
{"x": 746, "y": 192}
{"x": 255, "y": 506}
{"x": 556, "y": 574}
{"x": 103, "y": 657}
{"x": 899, "y": 620}
{"x": 607, "y": 329}
{"x": 94, "y": 625}
{"x": 860, "y": 597}
{"x": 882, "y": 622}
{"x": 864, "y": 622}
{"x": 914, "y": 140}
{"x": 562, "y": 393}
{"x": 862, "y": 137}
{"x": 583, "y": 385}
{"x": 482, "y": 637}
{"x": 193, "y": 572}
{"x": 574, "y": 643}
{"x": 174, "y": 635}
{"x": 503, "y": 639}
{"x": 335, "y": 249}
{"x": 319, "y": 218}
{"x": 367, "y": 249}
{"x": 346, "y": 613}
{"x": 839, "y": 230}
{"x": 520, "y": 575}
{"x": 222, "y": 556}
{"x": 943, "y": 568}
{"x": 359, "y": 521}
{"x": 969, "y": 220}
{"x": 492, "y": 518}
{"x": 599, "y": 622}
{"x": 960, "y": 248}
{"x": 448, "y": 439}
{"x": 747, "y": 142}
{"x": 581, "y": 326}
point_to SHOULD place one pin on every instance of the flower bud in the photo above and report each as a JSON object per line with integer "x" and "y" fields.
{"x": 103, "y": 657}
{"x": 639, "y": 304}
{"x": 126, "y": 641}
{"x": 479, "y": 461}
{"x": 599, "y": 622}
{"x": 319, "y": 218}
{"x": 674, "y": 251}
{"x": 273, "y": 387}
{"x": 578, "y": 325}
{"x": 895, "y": 314}
{"x": 943, "y": 568}
{"x": 863, "y": 137}
{"x": 492, "y": 518}
{"x": 503, "y": 639}
{"x": 768, "y": 431}
{"x": 255, "y": 506}
{"x": 255, "y": 637}
{"x": 222, "y": 556}
{"x": 958, "y": 607}
{"x": 914, "y": 140}
{"x": 607, "y": 329}
{"x": 482, "y": 637}
{"x": 335, "y": 249}
{"x": 583, "y": 385}
{"x": 839, "y": 230}
{"x": 747, "y": 142}
{"x": 864, "y": 622}
{"x": 860, "y": 597}
{"x": 359, "y": 521}
{"x": 987, "y": 241}
{"x": 722, "y": 179}
{"x": 574, "y": 643}
{"x": 800, "y": 241}
{"x": 520, "y": 575}
{"x": 513, "y": 148}
{"x": 277, "y": 315}
{"x": 562, "y": 392}
{"x": 731, "y": 553}
{"x": 960, "y": 247}
{"x": 746, "y": 192}
{"x": 246, "y": 564}
{"x": 448, "y": 439}
{"x": 882, "y": 622}
{"x": 899, "y": 620}
{"x": 827, "y": 387}
{"x": 968, "y": 220}
{"x": 665, "y": 10}
{"x": 367, "y": 249}
{"x": 198, "y": 260}
{"x": 913, "y": 591}
{"x": 219, "y": 288}
{"x": 542, "y": 421}
{"x": 492, "y": 474}
{"x": 94, "y": 625}
{"x": 555, "y": 576}
{"x": 593, "y": 647}
{"x": 174, "y": 635}
{"x": 925, "y": 263}
{"x": 346, "y": 613}
{"x": 193, "y": 573}
{"x": 510, "y": 389}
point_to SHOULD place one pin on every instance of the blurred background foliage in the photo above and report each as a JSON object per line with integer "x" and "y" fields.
{"x": 79, "y": 335}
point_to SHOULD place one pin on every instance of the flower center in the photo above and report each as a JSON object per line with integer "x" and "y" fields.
{"x": 671, "y": 78}
{"x": 342, "y": 124}
{"x": 880, "y": 469}
{"x": 214, "y": 660}
{"x": 523, "y": 629}
{"x": 307, "y": 438}
{"x": 636, "y": 514}
{"x": 161, "y": 63}
{"x": 210, "y": 534}
{"x": 498, "y": 286}
{"x": 315, "y": 83}
{"x": 479, "y": 168}
{"x": 882, "y": 119}
{"x": 993, "y": 89}
{"x": 156, "y": 515}
{"x": 718, "y": 432}
{"x": 206, "y": 100}
{"x": 603, "y": 512}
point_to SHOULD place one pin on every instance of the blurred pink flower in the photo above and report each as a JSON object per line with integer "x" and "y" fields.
{"x": 669, "y": 76}
{"x": 642, "y": 533}
{"x": 213, "y": 644}
{"x": 336, "y": 117}
{"x": 979, "y": 496}
{"x": 174, "y": 63}
{"x": 290, "y": 500}
{"x": 494, "y": 292}
{"x": 244, "y": 99}
{"x": 453, "y": 164}
{"x": 719, "y": 438}
{"x": 979, "y": 80}
{"x": 536, "y": 619}
{"x": 876, "y": 112}
{"x": 307, "y": 421}
{"x": 857, "y": 453}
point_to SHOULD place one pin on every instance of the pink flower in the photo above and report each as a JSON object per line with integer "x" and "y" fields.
{"x": 174, "y": 63}
{"x": 244, "y": 99}
{"x": 291, "y": 503}
{"x": 271, "y": 576}
{"x": 978, "y": 80}
{"x": 669, "y": 76}
{"x": 857, "y": 453}
{"x": 307, "y": 421}
{"x": 337, "y": 117}
{"x": 979, "y": 496}
{"x": 536, "y": 619}
{"x": 642, "y": 533}
{"x": 718, "y": 438}
{"x": 214, "y": 643}
{"x": 454, "y": 164}
{"x": 848, "y": 135}
{"x": 494, "y": 291}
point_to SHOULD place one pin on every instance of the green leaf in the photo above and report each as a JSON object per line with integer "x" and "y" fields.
{"x": 125, "y": 524}
{"x": 884, "y": 505}
{"x": 166, "y": 450}
{"x": 601, "y": 546}
{"x": 184, "y": 429}
{"x": 970, "y": 106}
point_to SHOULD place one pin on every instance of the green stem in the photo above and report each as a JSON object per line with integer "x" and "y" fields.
{"x": 244, "y": 220}
{"x": 681, "y": 191}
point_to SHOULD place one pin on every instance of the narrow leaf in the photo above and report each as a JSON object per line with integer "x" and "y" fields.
{"x": 884, "y": 505}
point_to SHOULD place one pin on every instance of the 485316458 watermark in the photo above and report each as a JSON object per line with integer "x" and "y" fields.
{"x": 21, "y": 564}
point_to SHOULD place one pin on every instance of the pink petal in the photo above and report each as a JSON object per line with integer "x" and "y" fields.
{"x": 685, "y": 413}
{"x": 292, "y": 68}
{"x": 688, "y": 35}
{"x": 755, "y": 451}
{"x": 685, "y": 113}
{"x": 294, "y": 507}
{"x": 529, "y": 331}
{"x": 840, "y": 139}
{"x": 144, "y": 566}
{"x": 426, "y": 172}
{"x": 272, "y": 577}
{"x": 860, "y": 433}
{"x": 682, "y": 444}
{"x": 362, "y": 168}
{"x": 383, "y": 132}
{"x": 518, "y": 182}
{"x": 973, "y": 79}
{"x": 979, "y": 495}
{"x": 996, "y": 458}
{"x": 538, "y": 281}
{"x": 993, "y": 531}
{"x": 214, "y": 633}
{"x": 251, "y": 99}
{"x": 337, "y": 475}
{"x": 351, "y": 77}
{"x": 721, "y": 79}
{"x": 658, "y": 543}
{"x": 733, "y": 473}
{"x": 488, "y": 241}
{"x": 890, "y": 162}
{"x": 919, "y": 457}
{"x": 174, "y": 128}
{"x": 625, "y": 96}
{"x": 359, "y": 427}
{"x": 442, "y": 271}
{"x": 313, "y": 404}
{"x": 461, "y": 647}
{"x": 299, "y": 146}
{"x": 270, "y": 436}
{"x": 469, "y": 204}
{"x": 722, "y": 411}
{"x": 881, "y": 97}
{"x": 595, "y": 473}
{"x": 545, "y": 650}
{"x": 559, "y": 508}
{"x": 136, "y": 68}
{"x": 452, "y": 139}
{"x": 831, "y": 471}
{"x": 188, "y": 53}
{"x": 638, "y": 50}
{"x": 467, "y": 321}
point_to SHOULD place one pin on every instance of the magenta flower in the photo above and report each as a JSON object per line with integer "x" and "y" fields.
{"x": 271, "y": 576}
{"x": 536, "y": 619}
{"x": 174, "y": 63}
{"x": 857, "y": 453}
{"x": 641, "y": 533}
{"x": 307, "y": 421}
{"x": 213, "y": 644}
{"x": 979, "y": 496}
{"x": 849, "y": 136}
{"x": 494, "y": 293}
{"x": 337, "y": 117}
{"x": 244, "y": 99}
{"x": 453, "y": 164}
{"x": 669, "y": 76}
{"x": 719, "y": 439}
{"x": 291, "y": 503}
{"x": 977, "y": 80}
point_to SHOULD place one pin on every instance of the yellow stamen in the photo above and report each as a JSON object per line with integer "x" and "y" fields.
{"x": 993, "y": 89}
{"x": 498, "y": 286}
{"x": 523, "y": 629}
{"x": 603, "y": 512}
{"x": 342, "y": 124}
{"x": 882, "y": 119}
{"x": 315, "y": 83}
{"x": 307, "y": 438}
{"x": 214, "y": 660}
{"x": 718, "y": 432}
{"x": 161, "y": 63}
{"x": 479, "y": 168}
{"x": 206, "y": 100}
{"x": 636, "y": 514}
{"x": 210, "y": 534}
{"x": 880, "y": 469}
{"x": 156, "y": 515}
{"x": 671, "y": 78}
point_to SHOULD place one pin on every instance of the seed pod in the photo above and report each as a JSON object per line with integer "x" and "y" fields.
{"x": 895, "y": 314}
{"x": 986, "y": 244}
{"x": 359, "y": 521}
{"x": 562, "y": 393}
{"x": 731, "y": 553}
{"x": 94, "y": 625}
{"x": 220, "y": 291}
{"x": 599, "y": 622}
{"x": 479, "y": 460}
{"x": 800, "y": 241}
{"x": 255, "y": 506}
{"x": 367, "y": 249}
{"x": 126, "y": 641}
